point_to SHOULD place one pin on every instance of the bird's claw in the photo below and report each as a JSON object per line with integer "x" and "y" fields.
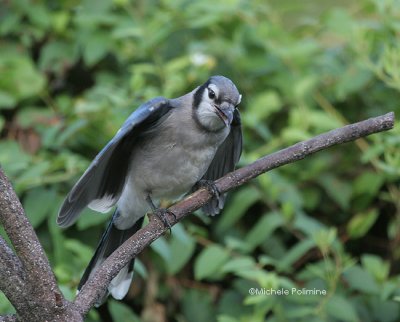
{"x": 162, "y": 213}
{"x": 210, "y": 186}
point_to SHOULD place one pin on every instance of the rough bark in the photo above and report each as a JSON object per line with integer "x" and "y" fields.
{"x": 35, "y": 294}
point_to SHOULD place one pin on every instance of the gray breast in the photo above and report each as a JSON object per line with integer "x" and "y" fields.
{"x": 171, "y": 160}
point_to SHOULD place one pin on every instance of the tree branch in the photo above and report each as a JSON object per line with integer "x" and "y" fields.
{"x": 11, "y": 272}
{"x": 35, "y": 296}
{"x": 96, "y": 286}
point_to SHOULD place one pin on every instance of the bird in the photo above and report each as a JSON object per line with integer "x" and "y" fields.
{"x": 165, "y": 149}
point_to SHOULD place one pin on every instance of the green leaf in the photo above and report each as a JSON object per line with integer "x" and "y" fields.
{"x": 236, "y": 207}
{"x": 263, "y": 105}
{"x": 70, "y": 131}
{"x": 79, "y": 249}
{"x": 376, "y": 266}
{"x": 31, "y": 116}
{"x": 325, "y": 238}
{"x": 38, "y": 203}
{"x": 197, "y": 306}
{"x": 300, "y": 312}
{"x": 59, "y": 21}
{"x": 262, "y": 277}
{"x": 5, "y": 305}
{"x": 263, "y": 228}
{"x": 7, "y": 101}
{"x": 39, "y": 16}
{"x": 361, "y": 280}
{"x": 57, "y": 236}
{"x": 22, "y": 81}
{"x": 386, "y": 311}
{"x": 304, "y": 86}
{"x": 307, "y": 224}
{"x": 33, "y": 175}
{"x": 339, "y": 190}
{"x": 367, "y": 183}
{"x": 140, "y": 269}
{"x": 230, "y": 304}
{"x": 182, "y": 246}
{"x": 226, "y": 318}
{"x": 162, "y": 248}
{"x": 68, "y": 292}
{"x": 55, "y": 55}
{"x": 89, "y": 218}
{"x": 95, "y": 48}
{"x": 341, "y": 309}
{"x": 353, "y": 79}
{"x": 15, "y": 160}
{"x": 210, "y": 262}
{"x": 121, "y": 312}
{"x": 286, "y": 262}
{"x": 339, "y": 21}
{"x": 359, "y": 225}
{"x": 238, "y": 264}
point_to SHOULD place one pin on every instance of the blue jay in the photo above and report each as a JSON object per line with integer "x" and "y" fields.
{"x": 165, "y": 149}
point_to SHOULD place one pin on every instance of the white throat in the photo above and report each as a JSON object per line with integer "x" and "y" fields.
{"x": 208, "y": 118}
{"x": 206, "y": 113}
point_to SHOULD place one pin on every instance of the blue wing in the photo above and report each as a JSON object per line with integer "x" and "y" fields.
{"x": 225, "y": 160}
{"x": 101, "y": 185}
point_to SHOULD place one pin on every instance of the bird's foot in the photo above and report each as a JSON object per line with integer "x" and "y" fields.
{"x": 162, "y": 214}
{"x": 210, "y": 186}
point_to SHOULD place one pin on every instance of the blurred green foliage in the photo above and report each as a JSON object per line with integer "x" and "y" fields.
{"x": 72, "y": 71}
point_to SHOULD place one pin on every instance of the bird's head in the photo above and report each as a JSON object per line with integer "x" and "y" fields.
{"x": 214, "y": 103}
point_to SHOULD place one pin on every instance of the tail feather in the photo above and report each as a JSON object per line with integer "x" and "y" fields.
{"x": 112, "y": 238}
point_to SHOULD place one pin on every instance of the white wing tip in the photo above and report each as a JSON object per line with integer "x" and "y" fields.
{"x": 102, "y": 205}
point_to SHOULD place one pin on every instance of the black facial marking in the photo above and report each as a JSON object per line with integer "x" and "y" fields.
{"x": 198, "y": 95}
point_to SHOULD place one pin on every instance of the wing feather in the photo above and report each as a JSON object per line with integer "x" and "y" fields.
{"x": 225, "y": 160}
{"x": 101, "y": 185}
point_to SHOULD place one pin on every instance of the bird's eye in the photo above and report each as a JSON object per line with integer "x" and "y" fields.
{"x": 211, "y": 94}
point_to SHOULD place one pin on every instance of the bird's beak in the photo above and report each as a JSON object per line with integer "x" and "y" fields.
{"x": 225, "y": 112}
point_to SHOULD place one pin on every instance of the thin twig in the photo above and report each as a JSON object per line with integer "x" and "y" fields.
{"x": 96, "y": 286}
